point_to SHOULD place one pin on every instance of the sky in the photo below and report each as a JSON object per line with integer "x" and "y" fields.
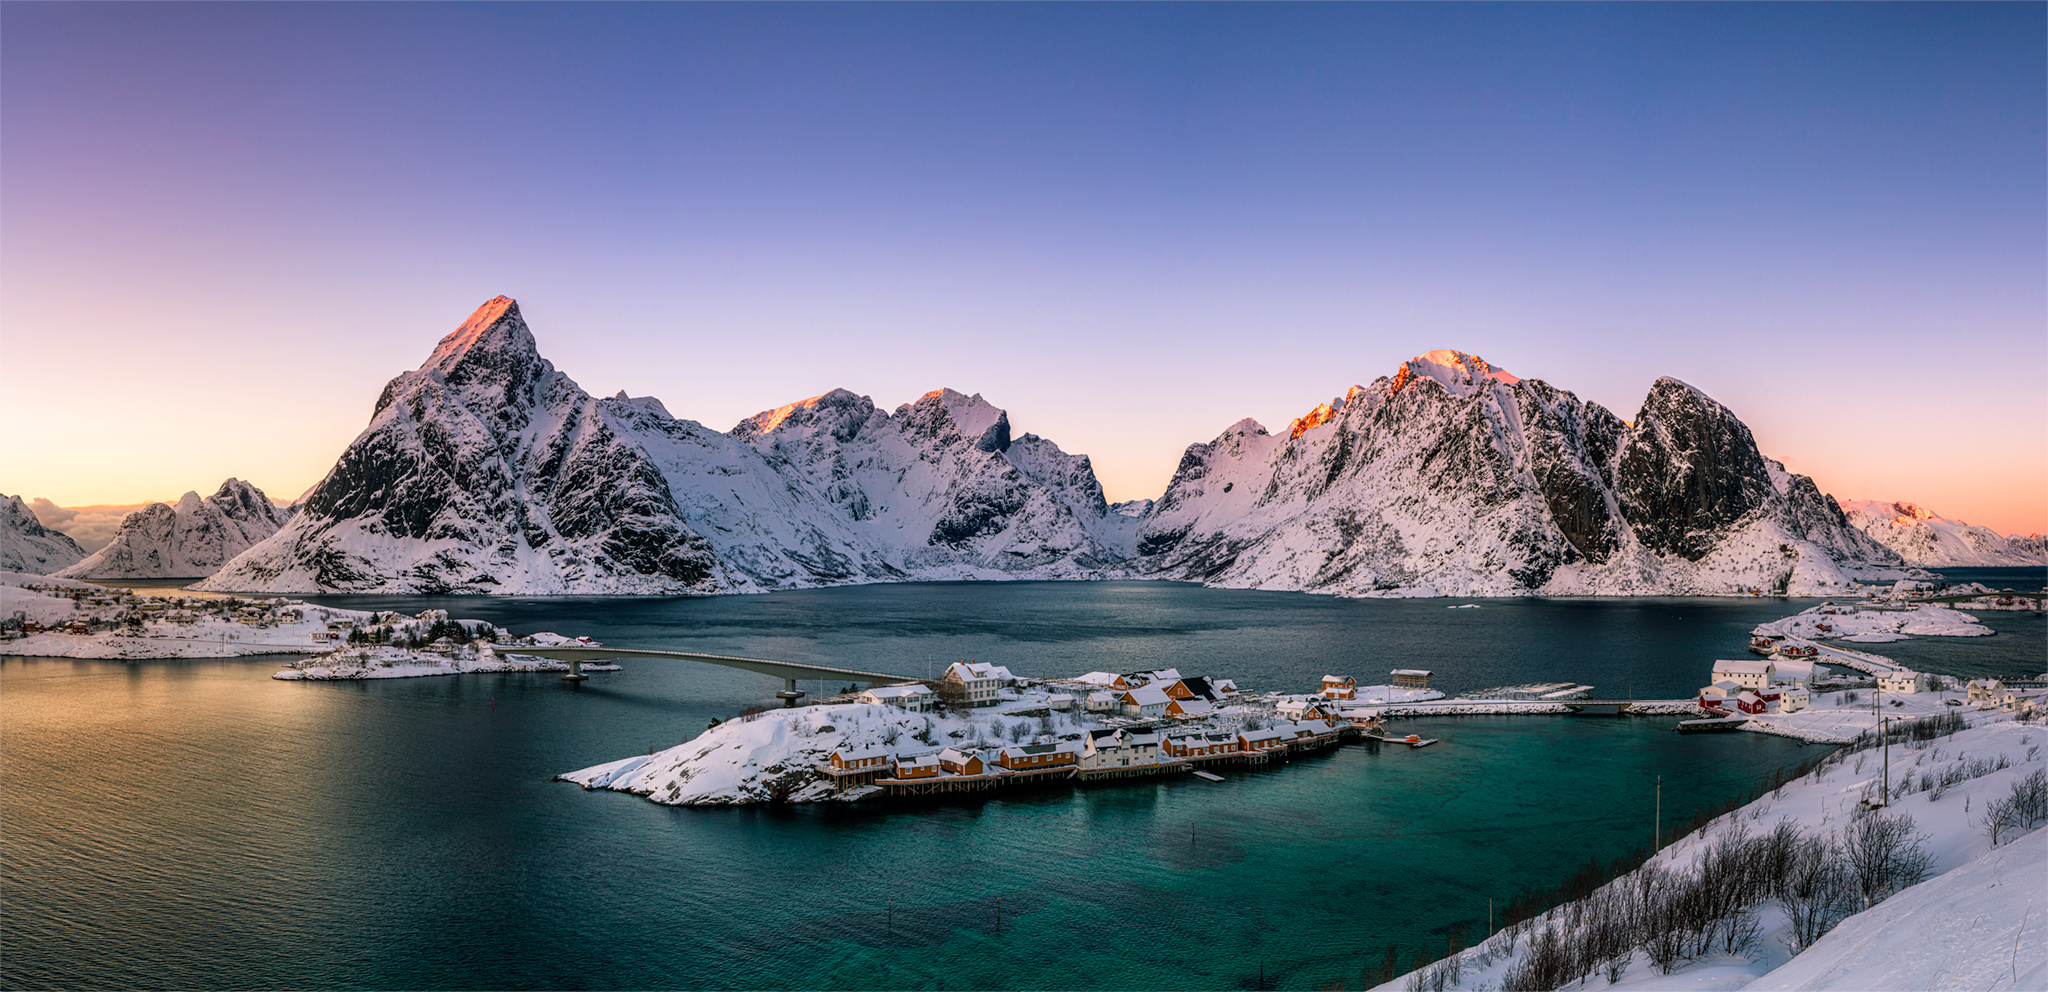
{"x": 224, "y": 227}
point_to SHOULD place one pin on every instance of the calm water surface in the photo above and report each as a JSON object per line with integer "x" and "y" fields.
{"x": 199, "y": 824}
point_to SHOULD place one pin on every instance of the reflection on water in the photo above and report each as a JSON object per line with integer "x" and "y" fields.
{"x": 198, "y": 824}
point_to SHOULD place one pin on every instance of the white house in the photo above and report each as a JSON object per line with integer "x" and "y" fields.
{"x": 1791, "y": 671}
{"x": 912, "y": 697}
{"x": 1060, "y": 701}
{"x": 1985, "y": 690}
{"x": 1225, "y": 688}
{"x": 1718, "y": 695}
{"x": 1102, "y": 702}
{"x": 1902, "y": 682}
{"x": 1119, "y": 749}
{"x": 1793, "y": 699}
{"x": 978, "y": 682}
{"x": 1306, "y": 709}
{"x": 1144, "y": 702}
{"x": 1744, "y": 673}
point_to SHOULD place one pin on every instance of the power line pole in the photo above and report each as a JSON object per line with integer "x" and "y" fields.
{"x": 1657, "y": 825}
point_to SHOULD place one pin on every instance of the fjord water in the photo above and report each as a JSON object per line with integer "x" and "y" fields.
{"x": 197, "y": 824}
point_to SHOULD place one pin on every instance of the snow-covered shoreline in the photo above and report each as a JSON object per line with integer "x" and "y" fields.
{"x": 1964, "y": 926}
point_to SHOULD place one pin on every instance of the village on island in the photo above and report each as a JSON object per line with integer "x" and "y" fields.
{"x": 978, "y": 727}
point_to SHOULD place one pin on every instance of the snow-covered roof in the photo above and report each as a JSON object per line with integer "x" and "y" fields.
{"x": 974, "y": 671}
{"x": 1146, "y": 695}
{"x": 919, "y": 761}
{"x": 1339, "y": 680}
{"x": 1741, "y": 666}
{"x": 1099, "y": 697}
{"x": 1792, "y": 670}
{"x": 898, "y": 691}
{"x": 957, "y": 756}
{"x": 1408, "y": 671}
{"x": 858, "y": 754}
{"x": 1098, "y": 678}
{"x": 1165, "y": 675}
{"x": 1268, "y": 734}
{"x": 1196, "y": 707}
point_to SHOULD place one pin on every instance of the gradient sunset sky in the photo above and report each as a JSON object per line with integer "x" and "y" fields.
{"x": 224, "y": 227}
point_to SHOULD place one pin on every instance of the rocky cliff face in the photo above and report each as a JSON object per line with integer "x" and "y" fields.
{"x": 489, "y": 471}
{"x": 192, "y": 539}
{"x": 1923, "y": 537}
{"x": 1453, "y": 477}
{"x": 27, "y": 546}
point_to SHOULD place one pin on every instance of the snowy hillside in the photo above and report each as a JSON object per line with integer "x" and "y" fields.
{"x": 1453, "y": 477}
{"x": 190, "y": 540}
{"x": 1923, "y": 537}
{"x": 1808, "y": 888}
{"x": 27, "y": 546}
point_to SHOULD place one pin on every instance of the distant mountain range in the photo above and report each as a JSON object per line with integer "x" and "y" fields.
{"x": 488, "y": 470}
{"x": 191, "y": 539}
{"x": 1923, "y": 537}
{"x": 27, "y": 546}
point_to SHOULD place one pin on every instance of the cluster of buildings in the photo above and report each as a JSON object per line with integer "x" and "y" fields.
{"x": 1109, "y": 752}
{"x": 1754, "y": 687}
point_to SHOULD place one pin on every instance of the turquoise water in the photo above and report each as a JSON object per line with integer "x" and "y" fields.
{"x": 199, "y": 824}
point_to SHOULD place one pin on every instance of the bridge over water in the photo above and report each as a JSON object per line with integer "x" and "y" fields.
{"x": 788, "y": 671}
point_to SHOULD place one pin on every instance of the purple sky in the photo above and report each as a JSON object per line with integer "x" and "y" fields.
{"x": 223, "y": 227}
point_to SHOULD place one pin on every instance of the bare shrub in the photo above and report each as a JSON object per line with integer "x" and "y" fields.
{"x": 1815, "y": 892}
{"x": 1883, "y": 854}
{"x": 2022, "y": 810}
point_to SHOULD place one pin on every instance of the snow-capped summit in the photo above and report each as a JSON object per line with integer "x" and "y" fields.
{"x": 486, "y": 470}
{"x": 27, "y": 546}
{"x": 1924, "y": 537}
{"x": 1454, "y": 370}
{"x": 1455, "y": 478}
{"x": 192, "y": 539}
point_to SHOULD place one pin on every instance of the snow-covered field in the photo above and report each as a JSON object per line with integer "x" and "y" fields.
{"x": 401, "y": 663}
{"x": 1877, "y": 626}
{"x": 1979, "y": 921}
{"x": 117, "y": 624}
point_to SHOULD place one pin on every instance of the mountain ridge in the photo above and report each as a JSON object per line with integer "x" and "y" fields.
{"x": 488, "y": 470}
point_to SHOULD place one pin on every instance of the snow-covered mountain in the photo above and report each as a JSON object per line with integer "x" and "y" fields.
{"x": 191, "y": 539}
{"x": 489, "y": 471}
{"x": 1453, "y": 477}
{"x": 27, "y": 546}
{"x": 1923, "y": 537}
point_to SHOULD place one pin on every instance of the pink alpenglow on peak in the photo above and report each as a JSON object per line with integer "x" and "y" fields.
{"x": 1455, "y": 370}
{"x": 496, "y": 312}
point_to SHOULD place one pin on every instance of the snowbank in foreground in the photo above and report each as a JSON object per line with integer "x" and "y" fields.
{"x": 1967, "y": 929}
{"x": 1955, "y": 930}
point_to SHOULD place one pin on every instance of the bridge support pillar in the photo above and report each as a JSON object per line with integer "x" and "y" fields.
{"x": 575, "y": 671}
{"x": 790, "y": 693}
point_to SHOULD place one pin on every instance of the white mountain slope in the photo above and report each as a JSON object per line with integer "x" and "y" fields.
{"x": 1923, "y": 537}
{"x": 489, "y": 471}
{"x": 190, "y": 540}
{"x": 27, "y": 546}
{"x": 1456, "y": 478}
